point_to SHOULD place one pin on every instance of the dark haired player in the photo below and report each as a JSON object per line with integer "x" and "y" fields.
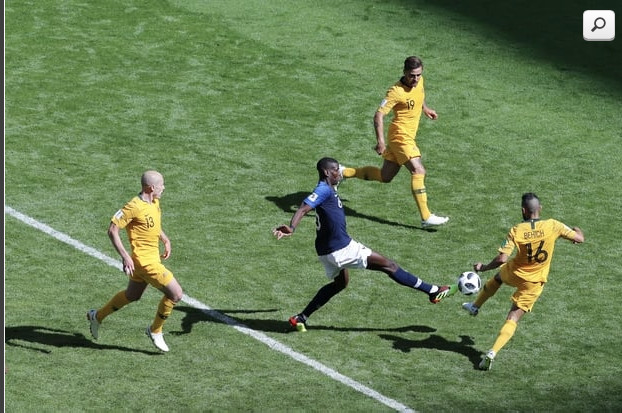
{"x": 406, "y": 99}
{"x": 338, "y": 252}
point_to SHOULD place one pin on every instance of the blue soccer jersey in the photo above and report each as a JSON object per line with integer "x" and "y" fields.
{"x": 330, "y": 219}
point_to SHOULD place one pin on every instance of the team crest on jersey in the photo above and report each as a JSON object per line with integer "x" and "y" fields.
{"x": 313, "y": 197}
{"x": 118, "y": 214}
{"x": 384, "y": 102}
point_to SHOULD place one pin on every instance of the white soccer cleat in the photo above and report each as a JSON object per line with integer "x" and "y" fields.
{"x": 487, "y": 360}
{"x": 91, "y": 315}
{"x": 434, "y": 220}
{"x": 157, "y": 339}
{"x": 471, "y": 308}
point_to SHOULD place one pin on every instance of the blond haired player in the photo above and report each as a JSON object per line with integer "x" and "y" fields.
{"x": 141, "y": 217}
{"x": 534, "y": 239}
{"x": 406, "y": 99}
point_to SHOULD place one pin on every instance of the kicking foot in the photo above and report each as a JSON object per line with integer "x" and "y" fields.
{"x": 442, "y": 293}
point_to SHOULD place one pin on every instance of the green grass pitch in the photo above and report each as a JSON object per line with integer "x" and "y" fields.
{"x": 234, "y": 102}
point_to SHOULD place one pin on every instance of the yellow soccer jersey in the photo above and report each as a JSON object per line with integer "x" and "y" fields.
{"x": 407, "y": 105}
{"x": 143, "y": 223}
{"x": 535, "y": 241}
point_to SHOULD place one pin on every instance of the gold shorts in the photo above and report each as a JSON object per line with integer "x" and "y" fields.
{"x": 527, "y": 292}
{"x": 400, "y": 153}
{"x": 155, "y": 274}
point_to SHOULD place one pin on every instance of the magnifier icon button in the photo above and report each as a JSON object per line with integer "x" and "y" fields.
{"x": 599, "y": 20}
{"x": 599, "y": 25}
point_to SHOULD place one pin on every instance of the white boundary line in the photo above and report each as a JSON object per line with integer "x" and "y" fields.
{"x": 273, "y": 344}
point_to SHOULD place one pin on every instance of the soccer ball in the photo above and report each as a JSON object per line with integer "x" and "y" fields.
{"x": 469, "y": 283}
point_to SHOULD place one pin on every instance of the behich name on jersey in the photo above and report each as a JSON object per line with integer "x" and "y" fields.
{"x": 533, "y": 234}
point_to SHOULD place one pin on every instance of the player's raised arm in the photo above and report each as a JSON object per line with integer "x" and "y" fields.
{"x": 496, "y": 262}
{"x": 287, "y": 230}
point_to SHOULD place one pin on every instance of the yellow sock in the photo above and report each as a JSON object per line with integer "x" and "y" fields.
{"x": 490, "y": 288}
{"x": 506, "y": 333}
{"x": 349, "y": 173}
{"x": 165, "y": 308}
{"x": 421, "y": 198}
{"x": 368, "y": 173}
{"x": 116, "y": 303}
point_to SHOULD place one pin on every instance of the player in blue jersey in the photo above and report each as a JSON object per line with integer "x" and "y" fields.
{"x": 338, "y": 252}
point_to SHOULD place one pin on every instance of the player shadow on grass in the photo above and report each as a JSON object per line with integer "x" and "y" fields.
{"x": 404, "y": 329}
{"x": 194, "y": 315}
{"x": 436, "y": 342}
{"x": 291, "y": 202}
{"x": 57, "y": 338}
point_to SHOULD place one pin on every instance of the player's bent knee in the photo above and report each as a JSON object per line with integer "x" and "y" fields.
{"x": 176, "y": 296}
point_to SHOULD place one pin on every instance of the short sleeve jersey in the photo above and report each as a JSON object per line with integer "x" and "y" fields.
{"x": 535, "y": 243}
{"x": 142, "y": 221}
{"x": 330, "y": 219}
{"x": 407, "y": 106}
